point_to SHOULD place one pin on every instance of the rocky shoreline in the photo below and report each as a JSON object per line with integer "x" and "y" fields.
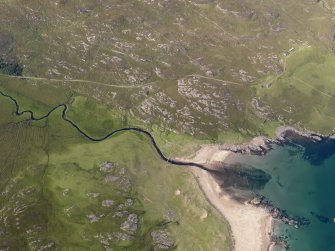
{"x": 260, "y": 146}
{"x": 281, "y": 215}
{"x": 229, "y": 198}
{"x": 285, "y": 134}
{"x": 277, "y": 213}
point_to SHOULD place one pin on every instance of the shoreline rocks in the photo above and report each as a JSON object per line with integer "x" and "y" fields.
{"x": 277, "y": 213}
{"x": 283, "y": 131}
{"x": 261, "y": 145}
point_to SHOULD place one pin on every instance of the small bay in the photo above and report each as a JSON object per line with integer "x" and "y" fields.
{"x": 303, "y": 184}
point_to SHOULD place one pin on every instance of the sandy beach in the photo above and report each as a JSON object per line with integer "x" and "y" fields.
{"x": 251, "y": 227}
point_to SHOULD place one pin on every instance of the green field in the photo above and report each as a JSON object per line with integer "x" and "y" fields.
{"x": 191, "y": 67}
{"x": 303, "y": 96}
{"x": 54, "y": 190}
{"x": 189, "y": 72}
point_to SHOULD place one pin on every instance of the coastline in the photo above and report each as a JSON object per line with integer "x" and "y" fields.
{"x": 260, "y": 145}
{"x": 251, "y": 226}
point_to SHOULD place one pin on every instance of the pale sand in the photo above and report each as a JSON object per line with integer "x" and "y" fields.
{"x": 250, "y": 226}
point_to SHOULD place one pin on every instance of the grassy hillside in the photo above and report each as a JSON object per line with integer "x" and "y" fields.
{"x": 192, "y": 66}
{"x": 61, "y": 191}
{"x": 188, "y": 71}
{"x": 303, "y": 95}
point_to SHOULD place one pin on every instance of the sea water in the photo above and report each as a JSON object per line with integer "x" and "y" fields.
{"x": 303, "y": 184}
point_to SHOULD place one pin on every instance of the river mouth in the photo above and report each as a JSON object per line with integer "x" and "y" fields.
{"x": 296, "y": 176}
{"x": 302, "y": 184}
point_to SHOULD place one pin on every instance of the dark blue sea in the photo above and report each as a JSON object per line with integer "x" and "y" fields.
{"x": 303, "y": 184}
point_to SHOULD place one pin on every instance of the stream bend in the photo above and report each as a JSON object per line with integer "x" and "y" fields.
{"x": 135, "y": 129}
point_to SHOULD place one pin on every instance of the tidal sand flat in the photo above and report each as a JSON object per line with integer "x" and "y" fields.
{"x": 302, "y": 183}
{"x": 250, "y": 226}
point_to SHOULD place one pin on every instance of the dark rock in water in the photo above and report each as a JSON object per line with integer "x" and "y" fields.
{"x": 300, "y": 221}
{"x": 317, "y": 153}
{"x": 280, "y": 241}
{"x": 321, "y": 218}
{"x": 317, "y": 147}
{"x": 277, "y": 213}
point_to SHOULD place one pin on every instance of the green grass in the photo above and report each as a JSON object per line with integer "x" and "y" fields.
{"x": 53, "y": 158}
{"x": 73, "y": 40}
{"x": 234, "y": 47}
{"x": 304, "y": 95}
{"x": 39, "y": 97}
{"x": 155, "y": 193}
{"x": 85, "y": 110}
